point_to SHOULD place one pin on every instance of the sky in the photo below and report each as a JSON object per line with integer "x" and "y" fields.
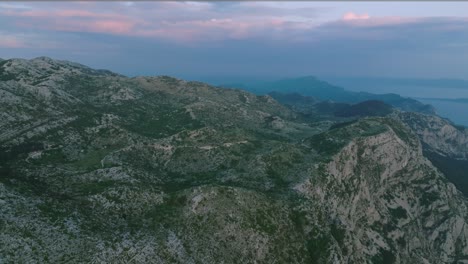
{"x": 244, "y": 39}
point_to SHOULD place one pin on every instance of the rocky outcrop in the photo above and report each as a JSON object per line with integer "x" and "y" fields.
{"x": 390, "y": 203}
{"x": 440, "y": 135}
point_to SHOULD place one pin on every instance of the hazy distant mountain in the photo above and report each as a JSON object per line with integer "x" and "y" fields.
{"x": 457, "y": 100}
{"x": 96, "y": 167}
{"x": 356, "y": 82}
{"x": 311, "y": 86}
{"x": 366, "y": 108}
{"x": 310, "y": 107}
{"x": 328, "y": 109}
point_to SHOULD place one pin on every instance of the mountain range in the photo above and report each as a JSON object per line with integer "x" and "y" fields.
{"x": 96, "y": 167}
{"x": 400, "y": 82}
{"x": 311, "y": 86}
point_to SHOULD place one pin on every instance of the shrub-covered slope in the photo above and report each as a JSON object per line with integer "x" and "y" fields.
{"x": 97, "y": 167}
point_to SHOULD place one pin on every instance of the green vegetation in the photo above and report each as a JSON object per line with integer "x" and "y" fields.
{"x": 338, "y": 233}
{"x": 398, "y": 212}
{"x": 366, "y": 108}
{"x": 343, "y": 124}
{"x": 4, "y": 76}
{"x": 330, "y": 142}
{"x": 327, "y": 145}
{"x": 401, "y": 131}
{"x": 455, "y": 170}
{"x": 161, "y": 124}
{"x": 11, "y": 153}
{"x": 318, "y": 248}
{"x": 92, "y": 159}
{"x": 429, "y": 197}
{"x": 119, "y": 169}
{"x": 384, "y": 257}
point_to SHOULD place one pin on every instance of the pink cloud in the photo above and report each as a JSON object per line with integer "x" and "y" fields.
{"x": 383, "y": 21}
{"x": 65, "y": 13}
{"x": 113, "y": 26}
{"x": 365, "y": 20}
{"x": 155, "y": 22}
{"x": 75, "y": 21}
{"x": 11, "y": 42}
{"x": 181, "y": 21}
{"x": 352, "y": 16}
{"x": 77, "y": 13}
{"x": 211, "y": 29}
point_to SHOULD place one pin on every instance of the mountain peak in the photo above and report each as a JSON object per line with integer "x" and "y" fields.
{"x": 309, "y": 77}
{"x": 63, "y": 63}
{"x": 43, "y": 58}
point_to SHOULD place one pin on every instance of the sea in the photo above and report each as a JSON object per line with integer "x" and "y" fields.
{"x": 455, "y": 111}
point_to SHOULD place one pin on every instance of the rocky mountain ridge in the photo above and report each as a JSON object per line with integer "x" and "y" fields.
{"x": 98, "y": 167}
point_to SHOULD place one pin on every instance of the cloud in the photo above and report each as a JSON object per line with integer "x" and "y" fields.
{"x": 11, "y": 42}
{"x": 199, "y": 22}
{"x": 235, "y": 37}
{"x": 72, "y": 20}
{"x": 107, "y": 26}
{"x": 14, "y": 6}
{"x": 178, "y": 21}
{"x": 128, "y": 3}
{"x": 205, "y": 23}
{"x": 367, "y": 21}
{"x": 353, "y": 16}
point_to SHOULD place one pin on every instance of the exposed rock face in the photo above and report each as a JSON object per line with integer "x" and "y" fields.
{"x": 439, "y": 134}
{"x": 390, "y": 203}
{"x": 97, "y": 167}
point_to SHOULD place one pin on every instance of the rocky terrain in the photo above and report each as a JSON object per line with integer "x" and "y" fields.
{"x": 96, "y": 167}
{"x": 445, "y": 144}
